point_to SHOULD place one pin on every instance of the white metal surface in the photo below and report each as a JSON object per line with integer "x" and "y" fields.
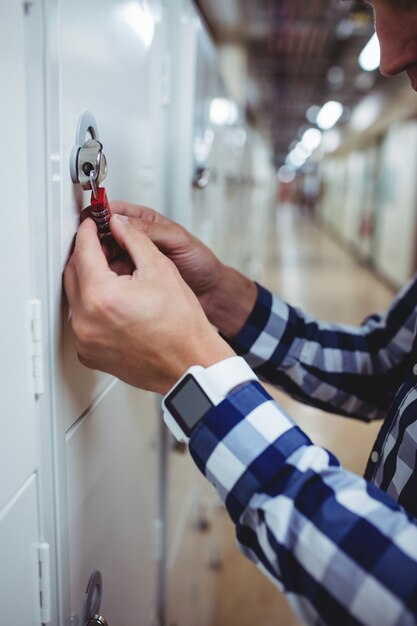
{"x": 110, "y": 64}
{"x": 396, "y": 218}
{"x": 17, "y": 425}
{"x": 112, "y": 501}
{"x": 182, "y": 41}
{"x": 105, "y": 57}
{"x": 189, "y": 583}
{"x": 92, "y": 441}
{"x": 19, "y": 577}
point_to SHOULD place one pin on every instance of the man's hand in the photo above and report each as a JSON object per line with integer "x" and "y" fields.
{"x": 226, "y": 296}
{"x": 146, "y": 328}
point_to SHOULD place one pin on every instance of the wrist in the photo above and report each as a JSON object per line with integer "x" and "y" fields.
{"x": 229, "y": 304}
{"x": 200, "y": 389}
{"x": 205, "y": 350}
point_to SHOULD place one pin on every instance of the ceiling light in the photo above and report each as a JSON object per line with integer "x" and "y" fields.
{"x": 329, "y": 114}
{"x": 302, "y": 150}
{"x": 312, "y": 139}
{"x": 370, "y": 57}
{"x": 223, "y": 112}
{"x": 295, "y": 160}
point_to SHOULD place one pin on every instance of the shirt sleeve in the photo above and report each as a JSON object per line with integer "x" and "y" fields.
{"x": 342, "y": 549}
{"x": 352, "y": 370}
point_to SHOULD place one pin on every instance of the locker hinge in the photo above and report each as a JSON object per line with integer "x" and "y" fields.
{"x": 166, "y": 80}
{"x": 36, "y": 346}
{"x": 44, "y": 582}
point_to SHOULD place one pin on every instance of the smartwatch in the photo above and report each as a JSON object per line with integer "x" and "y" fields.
{"x": 198, "y": 390}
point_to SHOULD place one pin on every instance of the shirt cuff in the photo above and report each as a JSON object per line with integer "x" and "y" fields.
{"x": 242, "y": 444}
{"x": 267, "y": 334}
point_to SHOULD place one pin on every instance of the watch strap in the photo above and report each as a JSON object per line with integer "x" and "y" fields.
{"x": 214, "y": 382}
{"x": 220, "y": 379}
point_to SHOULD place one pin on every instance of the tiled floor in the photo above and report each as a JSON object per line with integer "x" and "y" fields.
{"x": 307, "y": 268}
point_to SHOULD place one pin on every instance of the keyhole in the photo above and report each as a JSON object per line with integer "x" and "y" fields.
{"x": 87, "y": 168}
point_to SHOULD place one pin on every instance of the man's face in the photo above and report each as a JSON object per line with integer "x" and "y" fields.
{"x": 396, "y": 26}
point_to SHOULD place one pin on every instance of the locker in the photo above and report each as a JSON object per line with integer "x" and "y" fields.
{"x": 88, "y": 476}
{"x": 18, "y": 458}
{"x": 184, "y": 26}
{"x": 396, "y": 214}
{"x": 191, "y": 543}
{"x": 19, "y": 533}
{"x": 107, "y": 57}
{"x": 124, "y": 50}
{"x": 112, "y": 504}
{"x": 185, "y": 583}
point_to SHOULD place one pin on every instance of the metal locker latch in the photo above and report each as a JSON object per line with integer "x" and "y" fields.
{"x": 92, "y": 600}
{"x": 87, "y": 154}
{"x": 88, "y": 166}
{"x": 90, "y": 158}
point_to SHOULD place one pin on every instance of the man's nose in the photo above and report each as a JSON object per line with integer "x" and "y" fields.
{"x": 398, "y": 49}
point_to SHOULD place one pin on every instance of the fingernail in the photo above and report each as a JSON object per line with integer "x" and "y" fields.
{"x": 123, "y": 219}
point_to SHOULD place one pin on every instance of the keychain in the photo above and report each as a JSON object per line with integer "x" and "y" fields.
{"x": 100, "y": 208}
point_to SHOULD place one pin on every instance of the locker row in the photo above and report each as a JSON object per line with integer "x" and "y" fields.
{"x": 368, "y": 193}
{"x": 90, "y": 481}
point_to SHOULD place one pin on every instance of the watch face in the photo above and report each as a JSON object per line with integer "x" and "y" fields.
{"x": 187, "y": 403}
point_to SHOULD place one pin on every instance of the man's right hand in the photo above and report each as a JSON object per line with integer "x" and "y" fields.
{"x": 197, "y": 264}
{"x": 226, "y": 296}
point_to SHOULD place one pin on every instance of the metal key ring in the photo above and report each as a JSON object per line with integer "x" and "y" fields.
{"x": 93, "y": 179}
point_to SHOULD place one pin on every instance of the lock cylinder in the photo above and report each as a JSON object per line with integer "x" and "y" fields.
{"x": 90, "y": 158}
{"x": 88, "y": 167}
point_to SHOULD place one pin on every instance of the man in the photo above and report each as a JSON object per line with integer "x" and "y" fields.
{"x": 342, "y": 547}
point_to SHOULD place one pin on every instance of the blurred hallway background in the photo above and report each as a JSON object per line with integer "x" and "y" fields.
{"x": 309, "y": 269}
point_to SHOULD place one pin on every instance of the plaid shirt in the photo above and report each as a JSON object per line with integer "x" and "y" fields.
{"x": 344, "y": 548}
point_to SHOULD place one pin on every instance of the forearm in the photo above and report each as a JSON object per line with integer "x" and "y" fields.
{"x": 353, "y": 370}
{"x": 229, "y": 305}
{"x": 304, "y": 520}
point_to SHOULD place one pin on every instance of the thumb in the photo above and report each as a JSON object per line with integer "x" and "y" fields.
{"x": 129, "y": 234}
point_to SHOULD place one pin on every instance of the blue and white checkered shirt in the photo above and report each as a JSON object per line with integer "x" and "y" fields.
{"x": 344, "y": 548}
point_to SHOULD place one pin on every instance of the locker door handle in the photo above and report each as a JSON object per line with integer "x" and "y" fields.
{"x": 201, "y": 178}
{"x": 92, "y": 600}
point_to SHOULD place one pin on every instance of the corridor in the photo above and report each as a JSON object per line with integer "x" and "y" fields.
{"x": 308, "y": 268}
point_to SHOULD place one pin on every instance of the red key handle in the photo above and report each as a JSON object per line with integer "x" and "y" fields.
{"x": 100, "y": 211}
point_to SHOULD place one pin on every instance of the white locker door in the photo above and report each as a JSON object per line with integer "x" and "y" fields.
{"x": 17, "y": 424}
{"x": 186, "y": 566}
{"x": 396, "y": 216}
{"x": 19, "y": 534}
{"x": 19, "y": 595}
{"x": 105, "y": 56}
{"x": 184, "y": 25}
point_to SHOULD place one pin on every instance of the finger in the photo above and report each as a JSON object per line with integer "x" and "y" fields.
{"x": 167, "y": 237}
{"x": 136, "y": 210}
{"x": 71, "y": 286}
{"x": 129, "y": 234}
{"x": 88, "y": 258}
